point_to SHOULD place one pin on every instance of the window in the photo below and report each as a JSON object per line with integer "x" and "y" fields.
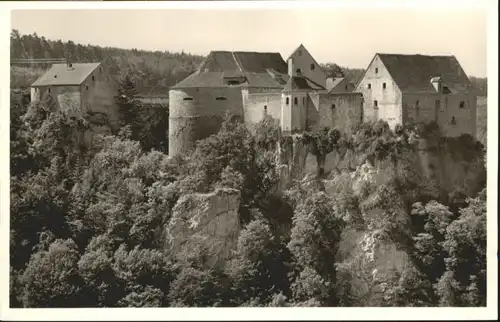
{"x": 375, "y": 104}
{"x": 437, "y": 104}
{"x": 313, "y": 66}
{"x": 417, "y": 103}
{"x": 298, "y": 70}
{"x": 369, "y": 86}
{"x": 300, "y": 52}
{"x": 233, "y": 82}
{"x": 265, "y": 108}
{"x": 295, "y": 101}
{"x": 87, "y": 87}
{"x": 287, "y": 101}
{"x": 333, "y": 106}
{"x": 36, "y": 89}
{"x": 384, "y": 85}
{"x": 220, "y": 98}
{"x": 49, "y": 89}
{"x": 417, "y": 107}
{"x": 303, "y": 100}
{"x": 93, "y": 77}
{"x": 346, "y": 87}
{"x": 376, "y": 70}
{"x": 462, "y": 104}
{"x": 187, "y": 99}
{"x": 453, "y": 121}
{"x": 55, "y": 76}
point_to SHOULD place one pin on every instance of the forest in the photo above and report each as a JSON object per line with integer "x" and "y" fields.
{"x": 90, "y": 222}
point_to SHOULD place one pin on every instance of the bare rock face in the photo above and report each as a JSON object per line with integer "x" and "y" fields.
{"x": 291, "y": 159}
{"x": 205, "y": 226}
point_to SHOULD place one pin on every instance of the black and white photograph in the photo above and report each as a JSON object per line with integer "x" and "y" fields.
{"x": 279, "y": 155}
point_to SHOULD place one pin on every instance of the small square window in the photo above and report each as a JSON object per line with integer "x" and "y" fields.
{"x": 300, "y": 52}
{"x": 265, "y": 107}
{"x": 453, "y": 121}
{"x": 298, "y": 70}
{"x": 333, "y": 106}
{"x": 462, "y": 104}
{"x": 369, "y": 86}
{"x": 313, "y": 66}
{"x": 384, "y": 85}
{"x": 375, "y": 103}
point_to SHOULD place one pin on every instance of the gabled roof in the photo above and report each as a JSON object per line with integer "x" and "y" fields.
{"x": 61, "y": 74}
{"x": 300, "y": 83}
{"x": 255, "y": 69}
{"x": 413, "y": 73}
{"x": 337, "y": 81}
{"x": 302, "y": 47}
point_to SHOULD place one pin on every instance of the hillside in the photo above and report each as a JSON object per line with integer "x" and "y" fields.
{"x": 146, "y": 67}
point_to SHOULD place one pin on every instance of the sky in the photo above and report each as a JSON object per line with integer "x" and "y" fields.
{"x": 346, "y": 36}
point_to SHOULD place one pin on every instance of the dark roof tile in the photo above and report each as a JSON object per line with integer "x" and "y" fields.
{"x": 413, "y": 73}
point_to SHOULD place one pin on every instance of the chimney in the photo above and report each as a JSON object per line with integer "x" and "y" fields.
{"x": 437, "y": 84}
{"x": 291, "y": 71}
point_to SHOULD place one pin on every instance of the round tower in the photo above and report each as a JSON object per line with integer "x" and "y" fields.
{"x": 197, "y": 112}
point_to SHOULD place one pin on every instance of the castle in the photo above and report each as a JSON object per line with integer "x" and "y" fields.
{"x": 252, "y": 85}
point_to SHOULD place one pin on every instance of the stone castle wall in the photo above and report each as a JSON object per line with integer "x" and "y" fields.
{"x": 196, "y": 113}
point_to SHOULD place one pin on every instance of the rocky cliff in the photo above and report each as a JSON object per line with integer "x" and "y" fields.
{"x": 205, "y": 226}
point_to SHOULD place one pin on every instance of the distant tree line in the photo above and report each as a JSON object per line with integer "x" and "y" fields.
{"x": 145, "y": 67}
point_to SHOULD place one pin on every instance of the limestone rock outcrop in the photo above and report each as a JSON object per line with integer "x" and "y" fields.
{"x": 205, "y": 226}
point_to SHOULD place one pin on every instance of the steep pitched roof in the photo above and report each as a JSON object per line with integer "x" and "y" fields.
{"x": 61, "y": 74}
{"x": 257, "y": 70}
{"x": 413, "y": 73}
{"x": 298, "y": 83}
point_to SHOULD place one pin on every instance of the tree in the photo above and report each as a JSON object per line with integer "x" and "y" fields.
{"x": 313, "y": 243}
{"x": 51, "y": 278}
{"x": 128, "y": 104}
{"x": 465, "y": 245}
